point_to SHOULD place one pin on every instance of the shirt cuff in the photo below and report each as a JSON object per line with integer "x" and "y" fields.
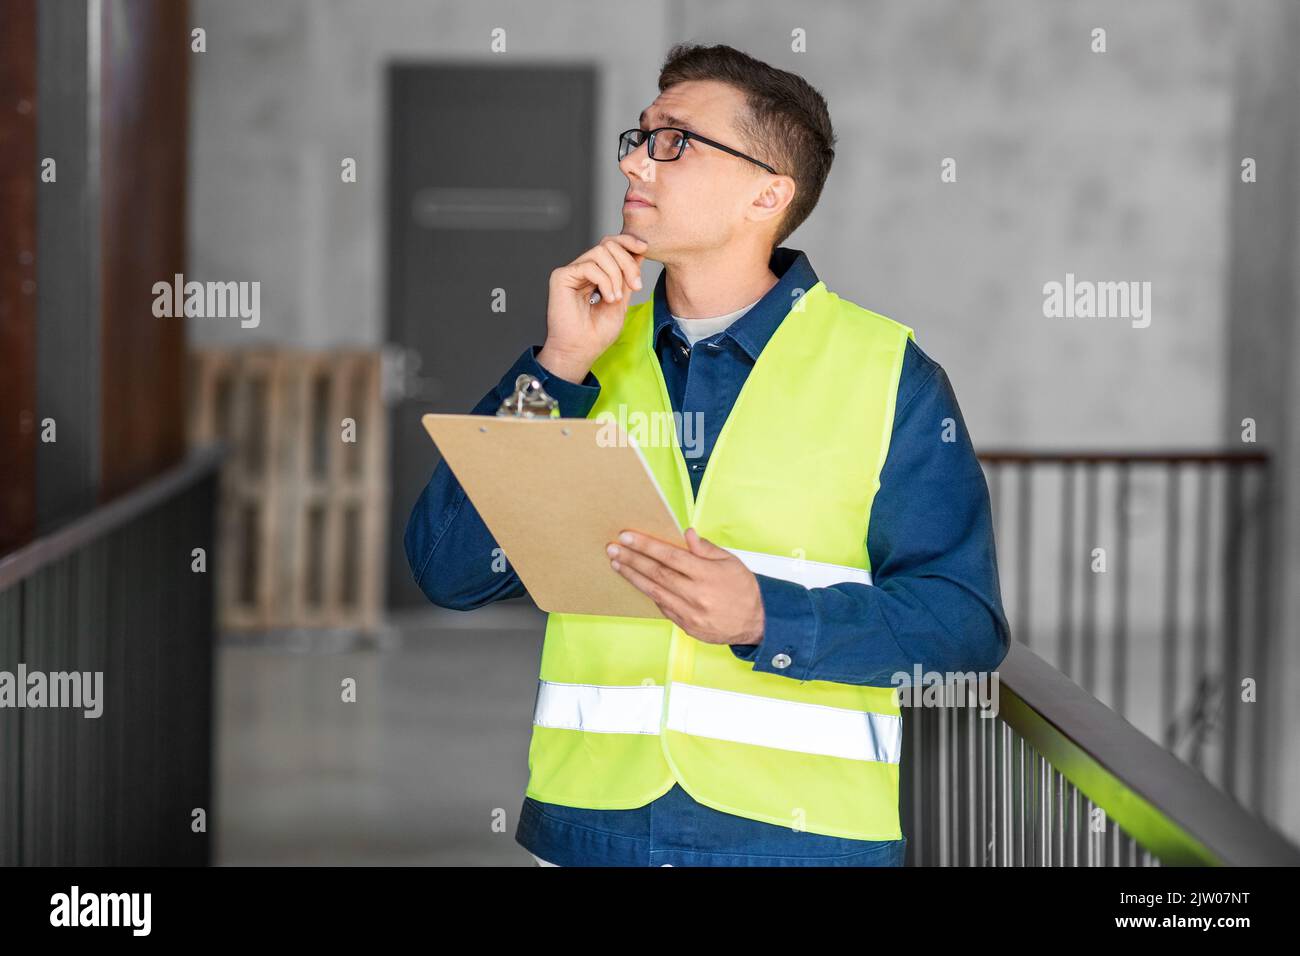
{"x": 576, "y": 399}
{"x": 789, "y": 630}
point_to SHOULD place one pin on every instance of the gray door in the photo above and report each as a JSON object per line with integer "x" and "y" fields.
{"x": 489, "y": 188}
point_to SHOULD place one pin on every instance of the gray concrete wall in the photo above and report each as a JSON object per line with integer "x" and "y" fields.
{"x": 289, "y": 88}
{"x": 1112, "y": 166}
{"x": 1263, "y": 347}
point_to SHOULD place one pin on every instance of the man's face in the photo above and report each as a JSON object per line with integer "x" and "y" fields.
{"x": 704, "y": 199}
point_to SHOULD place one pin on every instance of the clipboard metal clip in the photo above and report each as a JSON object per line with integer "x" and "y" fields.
{"x": 529, "y": 400}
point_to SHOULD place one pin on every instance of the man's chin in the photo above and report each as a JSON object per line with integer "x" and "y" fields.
{"x": 652, "y": 246}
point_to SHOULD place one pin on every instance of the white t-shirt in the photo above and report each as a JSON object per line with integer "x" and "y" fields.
{"x": 696, "y": 329}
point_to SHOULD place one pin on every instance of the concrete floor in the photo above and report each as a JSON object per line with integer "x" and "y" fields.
{"x": 427, "y": 767}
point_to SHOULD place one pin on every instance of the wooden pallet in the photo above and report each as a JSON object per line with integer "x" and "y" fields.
{"x": 301, "y": 525}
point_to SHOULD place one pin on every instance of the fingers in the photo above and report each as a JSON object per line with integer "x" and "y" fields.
{"x": 631, "y": 269}
{"x": 637, "y": 247}
{"x": 678, "y": 559}
{"x": 658, "y": 571}
{"x": 602, "y": 257}
{"x": 612, "y": 266}
{"x": 703, "y": 546}
{"x": 597, "y": 276}
{"x": 669, "y": 601}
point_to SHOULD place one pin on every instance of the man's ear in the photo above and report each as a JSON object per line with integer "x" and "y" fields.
{"x": 776, "y": 196}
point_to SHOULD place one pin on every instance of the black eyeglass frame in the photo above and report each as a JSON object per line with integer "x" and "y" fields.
{"x": 649, "y": 135}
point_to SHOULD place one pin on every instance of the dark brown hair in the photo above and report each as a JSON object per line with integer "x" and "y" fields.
{"x": 787, "y": 124}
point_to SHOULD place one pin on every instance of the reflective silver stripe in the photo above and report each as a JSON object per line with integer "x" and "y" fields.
{"x": 811, "y": 574}
{"x": 722, "y": 715}
{"x": 785, "y": 724}
{"x": 598, "y": 709}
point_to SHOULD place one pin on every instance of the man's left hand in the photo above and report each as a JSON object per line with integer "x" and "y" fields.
{"x": 705, "y": 590}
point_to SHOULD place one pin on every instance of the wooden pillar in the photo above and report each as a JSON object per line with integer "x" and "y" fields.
{"x": 144, "y": 135}
{"x": 18, "y": 423}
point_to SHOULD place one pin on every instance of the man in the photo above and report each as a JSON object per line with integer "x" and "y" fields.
{"x": 838, "y": 525}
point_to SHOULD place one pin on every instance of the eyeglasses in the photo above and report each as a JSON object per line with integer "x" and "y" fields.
{"x": 667, "y": 147}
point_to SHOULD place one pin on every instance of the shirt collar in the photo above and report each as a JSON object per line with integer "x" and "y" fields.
{"x": 753, "y": 329}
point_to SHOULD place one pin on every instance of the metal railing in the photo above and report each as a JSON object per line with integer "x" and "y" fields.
{"x": 1146, "y": 578}
{"x": 1057, "y": 778}
{"x": 114, "y": 593}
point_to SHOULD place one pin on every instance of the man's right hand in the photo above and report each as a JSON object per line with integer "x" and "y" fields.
{"x": 576, "y": 331}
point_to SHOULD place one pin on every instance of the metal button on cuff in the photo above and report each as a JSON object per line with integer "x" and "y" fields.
{"x": 781, "y": 661}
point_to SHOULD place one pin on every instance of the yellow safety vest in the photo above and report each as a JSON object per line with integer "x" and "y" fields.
{"x": 626, "y": 706}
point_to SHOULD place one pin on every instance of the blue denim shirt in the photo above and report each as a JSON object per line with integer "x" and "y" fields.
{"x": 935, "y": 600}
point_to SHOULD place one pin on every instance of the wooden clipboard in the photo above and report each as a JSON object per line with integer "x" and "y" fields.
{"x": 554, "y": 493}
